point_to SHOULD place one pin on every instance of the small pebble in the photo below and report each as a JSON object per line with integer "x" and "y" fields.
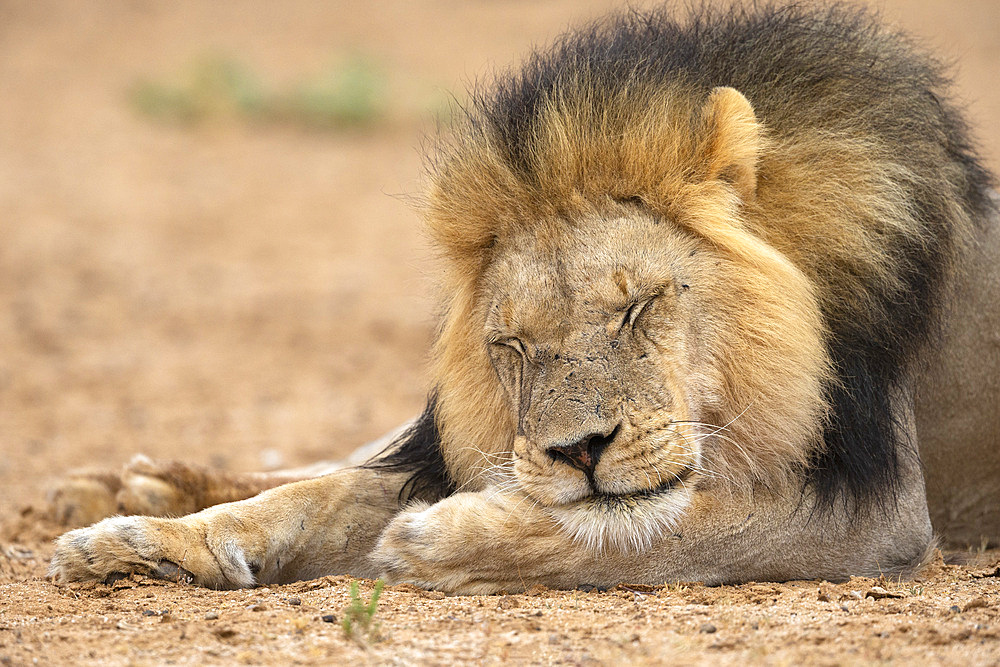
{"x": 294, "y": 601}
{"x": 508, "y": 602}
{"x": 956, "y": 609}
{"x": 260, "y": 606}
{"x": 329, "y": 618}
{"x": 211, "y": 615}
{"x": 707, "y": 628}
{"x": 149, "y": 612}
{"x": 589, "y": 588}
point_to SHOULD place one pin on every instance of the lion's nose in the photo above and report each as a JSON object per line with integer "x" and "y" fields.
{"x": 584, "y": 453}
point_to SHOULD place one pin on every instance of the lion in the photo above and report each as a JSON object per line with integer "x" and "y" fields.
{"x": 708, "y": 283}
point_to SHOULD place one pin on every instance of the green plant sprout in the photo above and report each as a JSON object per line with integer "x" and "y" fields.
{"x": 359, "y": 614}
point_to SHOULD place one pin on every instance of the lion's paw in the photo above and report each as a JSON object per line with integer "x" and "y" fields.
{"x": 84, "y": 497}
{"x": 160, "y": 488}
{"x": 209, "y": 553}
{"x": 440, "y": 546}
{"x": 406, "y": 549}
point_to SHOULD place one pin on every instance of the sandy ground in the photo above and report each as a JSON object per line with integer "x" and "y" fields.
{"x": 253, "y": 296}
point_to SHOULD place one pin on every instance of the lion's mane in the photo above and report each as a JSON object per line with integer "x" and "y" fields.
{"x": 857, "y": 189}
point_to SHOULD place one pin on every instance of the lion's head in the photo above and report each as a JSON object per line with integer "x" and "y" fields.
{"x": 625, "y": 335}
{"x": 653, "y": 285}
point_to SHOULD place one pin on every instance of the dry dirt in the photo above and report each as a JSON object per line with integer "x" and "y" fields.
{"x": 252, "y": 296}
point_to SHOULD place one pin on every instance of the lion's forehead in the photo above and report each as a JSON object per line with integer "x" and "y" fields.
{"x": 596, "y": 266}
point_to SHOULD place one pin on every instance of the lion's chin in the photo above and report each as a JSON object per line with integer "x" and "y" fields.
{"x": 628, "y": 523}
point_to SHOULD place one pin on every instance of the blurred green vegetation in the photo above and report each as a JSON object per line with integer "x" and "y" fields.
{"x": 353, "y": 93}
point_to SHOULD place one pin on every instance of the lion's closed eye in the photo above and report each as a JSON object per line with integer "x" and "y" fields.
{"x": 635, "y": 311}
{"x": 512, "y": 343}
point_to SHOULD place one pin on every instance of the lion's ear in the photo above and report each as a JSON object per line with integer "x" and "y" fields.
{"x": 731, "y": 140}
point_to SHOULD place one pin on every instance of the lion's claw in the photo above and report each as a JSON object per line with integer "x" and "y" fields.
{"x": 173, "y": 572}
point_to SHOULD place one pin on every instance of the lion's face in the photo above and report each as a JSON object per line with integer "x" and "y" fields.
{"x": 617, "y": 323}
{"x": 602, "y": 340}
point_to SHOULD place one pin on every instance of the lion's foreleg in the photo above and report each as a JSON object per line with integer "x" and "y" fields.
{"x": 488, "y": 542}
{"x": 305, "y": 529}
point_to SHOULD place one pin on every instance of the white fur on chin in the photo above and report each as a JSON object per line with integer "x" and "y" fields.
{"x": 626, "y": 523}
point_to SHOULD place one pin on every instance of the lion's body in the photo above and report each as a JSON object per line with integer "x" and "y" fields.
{"x": 956, "y": 400}
{"x": 692, "y": 272}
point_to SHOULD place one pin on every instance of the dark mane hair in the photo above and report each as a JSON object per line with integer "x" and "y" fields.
{"x": 417, "y": 451}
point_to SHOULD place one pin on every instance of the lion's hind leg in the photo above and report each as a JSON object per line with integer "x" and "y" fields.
{"x": 158, "y": 488}
{"x": 172, "y": 488}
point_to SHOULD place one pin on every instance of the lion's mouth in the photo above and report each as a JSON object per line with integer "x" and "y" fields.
{"x": 632, "y": 498}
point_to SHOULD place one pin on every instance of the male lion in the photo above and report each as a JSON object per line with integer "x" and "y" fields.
{"x": 691, "y": 268}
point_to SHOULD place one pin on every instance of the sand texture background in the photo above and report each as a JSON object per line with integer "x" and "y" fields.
{"x": 252, "y": 290}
